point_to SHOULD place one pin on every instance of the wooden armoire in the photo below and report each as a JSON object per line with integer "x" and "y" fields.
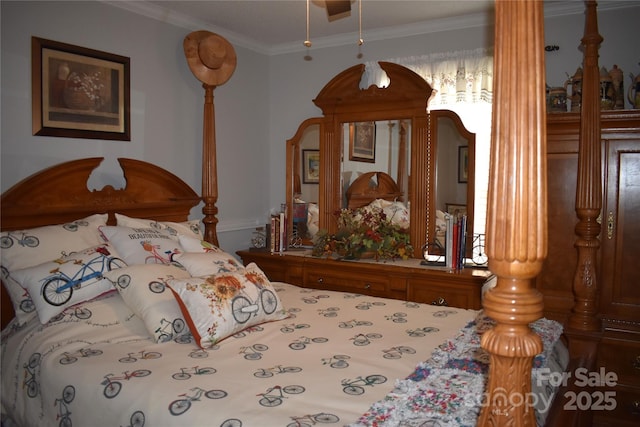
{"x": 618, "y": 265}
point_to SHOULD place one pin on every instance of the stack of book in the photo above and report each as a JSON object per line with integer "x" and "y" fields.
{"x": 278, "y": 241}
{"x": 456, "y": 241}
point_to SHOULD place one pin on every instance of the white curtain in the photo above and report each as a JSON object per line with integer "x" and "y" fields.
{"x": 463, "y": 83}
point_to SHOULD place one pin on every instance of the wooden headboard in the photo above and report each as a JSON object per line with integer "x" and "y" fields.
{"x": 361, "y": 192}
{"x": 59, "y": 194}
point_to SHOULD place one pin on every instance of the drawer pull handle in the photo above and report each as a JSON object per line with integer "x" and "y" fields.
{"x": 320, "y": 280}
{"x": 636, "y": 363}
{"x": 367, "y": 286}
{"x": 440, "y": 302}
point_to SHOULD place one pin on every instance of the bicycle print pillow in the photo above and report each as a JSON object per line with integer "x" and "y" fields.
{"x": 26, "y": 248}
{"x": 191, "y": 228}
{"x": 69, "y": 280}
{"x": 142, "y": 245}
{"x": 208, "y": 263}
{"x": 224, "y": 304}
{"x": 143, "y": 289}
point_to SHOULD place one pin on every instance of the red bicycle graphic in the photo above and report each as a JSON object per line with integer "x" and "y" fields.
{"x": 113, "y": 385}
{"x": 180, "y": 406}
{"x": 313, "y": 419}
{"x": 274, "y": 395}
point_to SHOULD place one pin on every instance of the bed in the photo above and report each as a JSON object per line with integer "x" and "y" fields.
{"x": 316, "y": 357}
{"x": 276, "y": 354}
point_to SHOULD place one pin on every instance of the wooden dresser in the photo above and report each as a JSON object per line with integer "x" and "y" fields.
{"x": 618, "y": 263}
{"x": 404, "y": 280}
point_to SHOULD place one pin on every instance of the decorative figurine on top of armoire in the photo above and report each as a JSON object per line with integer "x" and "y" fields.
{"x": 576, "y": 90}
{"x": 556, "y": 99}
{"x": 617, "y": 83}
{"x": 634, "y": 91}
{"x": 606, "y": 90}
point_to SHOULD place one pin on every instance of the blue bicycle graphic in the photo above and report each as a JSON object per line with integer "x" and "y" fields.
{"x": 23, "y": 239}
{"x": 58, "y": 288}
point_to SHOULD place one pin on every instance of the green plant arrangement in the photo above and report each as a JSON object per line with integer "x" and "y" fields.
{"x": 364, "y": 233}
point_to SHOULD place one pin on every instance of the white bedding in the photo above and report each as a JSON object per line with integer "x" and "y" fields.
{"x": 327, "y": 363}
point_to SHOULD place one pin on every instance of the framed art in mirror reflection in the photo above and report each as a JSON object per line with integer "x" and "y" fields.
{"x": 362, "y": 142}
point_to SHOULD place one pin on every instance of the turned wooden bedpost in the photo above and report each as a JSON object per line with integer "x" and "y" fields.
{"x": 517, "y": 214}
{"x": 589, "y": 184}
{"x": 212, "y": 60}
{"x": 209, "y": 168}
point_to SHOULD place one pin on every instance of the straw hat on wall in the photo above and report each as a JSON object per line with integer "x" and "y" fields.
{"x": 210, "y": 56}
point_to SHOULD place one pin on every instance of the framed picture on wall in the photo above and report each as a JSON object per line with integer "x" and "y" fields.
{"x": 310, "y": 166}
{"x": 456, "y": 210}
{"x": 79, "y": 92}
{"x": 362, "y": 142}
{"x": 463, "y": 164}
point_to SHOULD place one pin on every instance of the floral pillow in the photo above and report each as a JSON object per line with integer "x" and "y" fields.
{"x": 224, "y": 304}
{"x": 144, "y": 290}
{"x": 26, "y": 248}
{"x": 144, "y": 245}
{"x": 208, "y": 263}
{"x": 190, "y": 228}
{"x": 68, "y": 280}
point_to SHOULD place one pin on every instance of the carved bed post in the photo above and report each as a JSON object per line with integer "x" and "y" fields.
{"x": 212, "y": 60}
{"x": 209, "y": 168}
{"x": 517, "y": 214}
{"x": 589, "y": 183}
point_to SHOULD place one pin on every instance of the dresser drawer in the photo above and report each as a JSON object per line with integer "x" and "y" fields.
{"x": 626, "y": 412}
{"x": 345, "y": 281}
{"x": 452, "y": 295}
{"x": 622, "y": 357}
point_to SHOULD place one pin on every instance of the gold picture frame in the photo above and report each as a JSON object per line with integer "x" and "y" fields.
{"x": 311, "y": 166}
{"x": 79, "y": 92}
{"x": 362, "y": 142}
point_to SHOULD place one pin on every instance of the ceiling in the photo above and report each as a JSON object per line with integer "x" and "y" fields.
{"x": 281, "y": 24}
{"x": 278, "y": 26}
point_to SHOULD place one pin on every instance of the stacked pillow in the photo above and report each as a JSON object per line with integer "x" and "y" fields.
{"x": 169, "y": 277}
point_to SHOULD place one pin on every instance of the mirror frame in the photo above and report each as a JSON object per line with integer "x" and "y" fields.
{"x": 294, "y": 168}
{"x": 470, "y": 137}
{"x": 343, "y": 101}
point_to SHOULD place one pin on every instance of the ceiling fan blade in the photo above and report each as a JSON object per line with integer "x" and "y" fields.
{"x": 337, "y": 7}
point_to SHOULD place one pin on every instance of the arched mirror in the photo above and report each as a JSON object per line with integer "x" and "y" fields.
{"x": 379, "y": 142}
{"x": 303, "y": 182}
{"x": 455, "y": 149}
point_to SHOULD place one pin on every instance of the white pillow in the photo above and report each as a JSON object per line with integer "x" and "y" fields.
{"x": 26, "y": 248}
{"x": 142, "y": 245}
{"x": 69, "y": 280}
{"x": 218, "y": 306}
{"x": 192, "y": 228}
{"x": 143, "y": 288}
{"x": 191, "y": 244}
{"x": 208, "y": 263}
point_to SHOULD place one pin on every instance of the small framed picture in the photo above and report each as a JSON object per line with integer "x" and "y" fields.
{"x": 458, "y": 211}
{"x": 463, "y": 164}
{"x": 79, "y": 92}
{"x": 362, "y": 142}
{"x": 310, "y": 166}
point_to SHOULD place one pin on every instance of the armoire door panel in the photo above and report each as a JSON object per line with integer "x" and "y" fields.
{"x": 621, "y": 231}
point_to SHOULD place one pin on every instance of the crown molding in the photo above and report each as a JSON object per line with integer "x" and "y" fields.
{"x": 159, "y": 13}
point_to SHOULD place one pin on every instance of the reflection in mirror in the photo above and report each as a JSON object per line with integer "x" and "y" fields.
{"x": 380, "y": 146}
{"x": 455, "y": 172}
{"x": 303, "y": 178}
